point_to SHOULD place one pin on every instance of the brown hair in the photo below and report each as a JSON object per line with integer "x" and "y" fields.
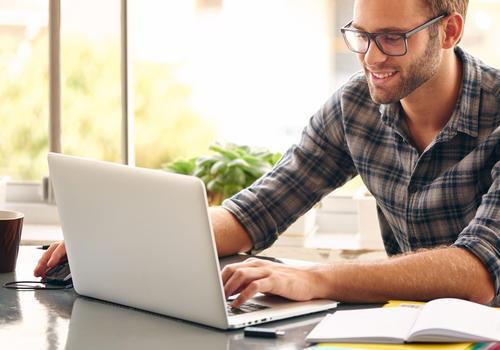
{"x": 438, "y": 7}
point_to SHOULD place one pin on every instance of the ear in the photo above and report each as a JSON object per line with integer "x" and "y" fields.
{"x": 453, "y": 28}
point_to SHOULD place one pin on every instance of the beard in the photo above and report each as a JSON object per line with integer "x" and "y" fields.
{"x": 417, "y": 73}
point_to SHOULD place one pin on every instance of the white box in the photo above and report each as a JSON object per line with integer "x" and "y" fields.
{"x": 370, "y": 236}
{"x": 303, "y": 226}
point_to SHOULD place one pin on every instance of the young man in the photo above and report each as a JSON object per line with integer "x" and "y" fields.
{"x": 421, "y": 126}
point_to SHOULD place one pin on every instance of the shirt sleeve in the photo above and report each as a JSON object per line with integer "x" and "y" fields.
{"x": 482, "y": 236}
{"x": 307, "y": 171}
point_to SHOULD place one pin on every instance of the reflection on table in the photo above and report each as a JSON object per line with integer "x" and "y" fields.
{"x": 60, "y": 319}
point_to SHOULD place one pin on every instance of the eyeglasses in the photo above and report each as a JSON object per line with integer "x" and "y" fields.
{"x": 391, "y": 44}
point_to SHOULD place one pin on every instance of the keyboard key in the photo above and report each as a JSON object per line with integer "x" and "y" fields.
{"x": 244, "y": 308}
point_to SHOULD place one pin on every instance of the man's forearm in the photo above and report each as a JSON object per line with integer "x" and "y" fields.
{"x": 230, "y": 236}
{"x": 425, "y": 275}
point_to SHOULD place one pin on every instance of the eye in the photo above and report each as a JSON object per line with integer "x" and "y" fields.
{"x": 391, "y": 39}
{"x": 360, "y": 36}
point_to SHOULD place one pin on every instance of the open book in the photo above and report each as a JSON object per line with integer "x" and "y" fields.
{"x": 440, "y": 320}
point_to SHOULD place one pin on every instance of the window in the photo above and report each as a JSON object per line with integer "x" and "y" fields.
{"x": 230, "y": 74}
{"x": 24, "y": 89}
{"x": 90, "y": 79}
{"x": 243, "y": 71}
{"x": 482, "y": 26}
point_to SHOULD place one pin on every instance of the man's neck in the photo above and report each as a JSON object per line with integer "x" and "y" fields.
{"x": 430, "y": 107}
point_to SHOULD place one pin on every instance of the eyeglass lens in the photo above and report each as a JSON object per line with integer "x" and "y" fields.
{"x": 390, "y": 44}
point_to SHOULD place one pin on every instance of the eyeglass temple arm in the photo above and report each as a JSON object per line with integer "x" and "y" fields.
{"x": 427, "y": 24}
{"x": 347, "y": 25}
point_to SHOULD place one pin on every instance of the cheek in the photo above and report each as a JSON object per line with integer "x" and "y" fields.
{"x": 361, "y": 58}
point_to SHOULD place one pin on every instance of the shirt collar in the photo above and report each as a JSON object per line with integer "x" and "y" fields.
{"x": 467, "y": 110}
{"x": 466, "y": 113}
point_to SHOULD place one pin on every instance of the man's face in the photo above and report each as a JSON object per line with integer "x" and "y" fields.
{"x": 391, "y": 78}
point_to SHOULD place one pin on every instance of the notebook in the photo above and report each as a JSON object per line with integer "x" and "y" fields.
{"x": 440, "y": 320}
{"x": 143, "y": 238}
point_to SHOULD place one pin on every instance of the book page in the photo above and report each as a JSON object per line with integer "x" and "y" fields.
{"x": 380, "y": 325}
{"x": 455, "y": 319}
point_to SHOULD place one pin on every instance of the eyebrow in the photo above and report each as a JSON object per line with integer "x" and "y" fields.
{"x": 381, "y": 30}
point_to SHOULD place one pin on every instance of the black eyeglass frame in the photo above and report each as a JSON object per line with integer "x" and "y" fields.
{"x": 374, "y": 36}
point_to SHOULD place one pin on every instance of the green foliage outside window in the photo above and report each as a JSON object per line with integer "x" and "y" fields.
{"x": 23, "y": 109}
{"x": 166, "y": 126}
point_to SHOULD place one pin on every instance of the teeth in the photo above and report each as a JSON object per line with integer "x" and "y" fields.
{"x": 384, "y": 75}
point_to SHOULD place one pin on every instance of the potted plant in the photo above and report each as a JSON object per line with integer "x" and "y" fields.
{"x": 228, "y": 170}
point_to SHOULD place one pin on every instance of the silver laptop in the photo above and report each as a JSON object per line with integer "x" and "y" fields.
{"x": 143, "y": 238}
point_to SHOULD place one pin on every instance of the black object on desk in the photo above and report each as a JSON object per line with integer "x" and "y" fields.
{"x": 58, "y": 277}
{"x": 260, "y": 332}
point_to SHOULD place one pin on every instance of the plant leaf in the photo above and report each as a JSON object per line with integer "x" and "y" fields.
{"x": 225, "y": 152}
{"x": 215, "y": 186}
{"x": 218, "y": 167}
{"x": 182, "y": 166}
{"x": 238, "y": 163}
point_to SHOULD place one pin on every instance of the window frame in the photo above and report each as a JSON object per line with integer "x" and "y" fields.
{"x": 35, "y": 198}
{"x": 30, "y": 192}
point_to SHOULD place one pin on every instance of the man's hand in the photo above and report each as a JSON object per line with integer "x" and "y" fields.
{"x": 53, "y": 256}
{"x": 257, "y": 275}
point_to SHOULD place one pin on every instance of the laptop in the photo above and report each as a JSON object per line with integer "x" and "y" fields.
{"x": 143, "y": 238}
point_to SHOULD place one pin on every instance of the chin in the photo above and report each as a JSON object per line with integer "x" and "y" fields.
{"x": 382, "y": 98}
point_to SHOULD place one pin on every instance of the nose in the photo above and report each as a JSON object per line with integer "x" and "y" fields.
{"x": 374, "y": 56}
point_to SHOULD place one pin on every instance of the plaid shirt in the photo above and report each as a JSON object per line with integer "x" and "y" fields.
{"x": 449, "y": 195}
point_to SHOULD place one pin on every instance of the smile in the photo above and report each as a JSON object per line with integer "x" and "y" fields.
{"x": 383, "y": 75}
{"x": 381, "y": 79}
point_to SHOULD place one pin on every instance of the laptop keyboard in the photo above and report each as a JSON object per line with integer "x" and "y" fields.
{"x": 244, "y": 308}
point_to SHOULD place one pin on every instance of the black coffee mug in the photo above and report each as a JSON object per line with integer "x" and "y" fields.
{"x": 11, "y": 225}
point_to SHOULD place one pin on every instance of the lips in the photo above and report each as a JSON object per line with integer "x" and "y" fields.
{"x": 382, "y": 77}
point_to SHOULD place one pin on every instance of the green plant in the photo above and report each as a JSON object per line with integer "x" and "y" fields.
{"x": 228, "y": 170}
{"x": 167, "y": 126}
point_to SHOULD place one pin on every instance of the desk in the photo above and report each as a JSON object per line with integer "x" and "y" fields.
{"x": 63, "y": 320}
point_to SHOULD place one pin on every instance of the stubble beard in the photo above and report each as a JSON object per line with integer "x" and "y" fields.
{"x": 417, "y": 73}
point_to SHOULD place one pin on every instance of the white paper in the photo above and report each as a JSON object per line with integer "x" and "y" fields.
{"x": 460, "y": 319}
{"x": 391, "y": 325}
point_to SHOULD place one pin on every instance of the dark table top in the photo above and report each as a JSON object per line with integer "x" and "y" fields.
{"x": 61, "y": 319}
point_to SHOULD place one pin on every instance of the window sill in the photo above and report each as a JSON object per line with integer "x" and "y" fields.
{"x": 336, "y": 225}
{"x": 40, "y": 234}
{"x": 35, "y": 213}
{"x": 342, "y": 241}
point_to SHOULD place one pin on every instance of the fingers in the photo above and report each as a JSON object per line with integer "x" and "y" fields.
{"x": 247, "y": 278}
{"x": 231, "y": 268}
{"x": 58, "y": 255}
{"x": 264, "y": 285}
{"x": 50, "y": 258}
{"x": 257, "y": 276}
{"x": 42, "y": 262}
{"x": 241, "y": 277}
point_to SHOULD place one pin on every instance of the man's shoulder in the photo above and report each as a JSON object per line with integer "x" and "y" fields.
{"x": 350, "y": 101}
{"x": 356, "y": 84}
{"x": 481, "y": 93}
{"x": 354, "y": 93}
{"x": 490, "y": 79}
{"x": 490, "y": 76}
